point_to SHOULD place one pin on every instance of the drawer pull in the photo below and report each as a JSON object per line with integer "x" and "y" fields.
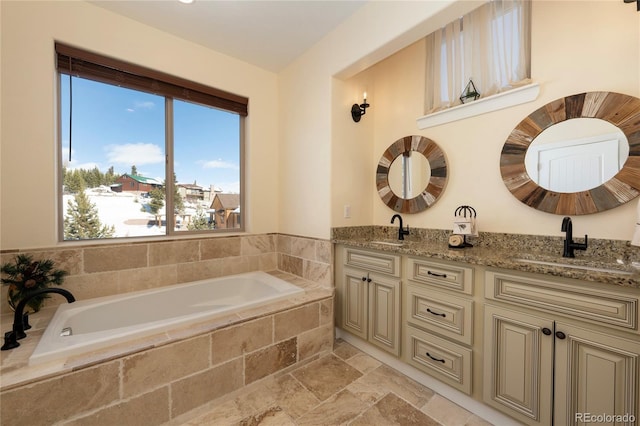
{"x": 435, "y": 359}
{"x": 437, "y": 275}
{"x": 436, "y": 313}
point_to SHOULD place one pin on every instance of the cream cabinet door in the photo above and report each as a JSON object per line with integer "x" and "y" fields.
{"x": 518, "y": 365}
{"x": 384, "y": 313}
{"x": 354, "y": 299}
{"x": 596, "y": 374}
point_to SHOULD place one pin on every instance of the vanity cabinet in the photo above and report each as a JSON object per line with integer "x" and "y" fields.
{"x": 368, "y": 292}
{"x": 439, "y": 320}
{"x": 542, "y": 368}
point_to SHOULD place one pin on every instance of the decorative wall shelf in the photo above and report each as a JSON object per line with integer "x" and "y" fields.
{"x": 495, "y": 102}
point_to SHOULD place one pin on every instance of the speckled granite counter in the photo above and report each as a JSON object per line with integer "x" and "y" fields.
{"x": 605, "y": 261}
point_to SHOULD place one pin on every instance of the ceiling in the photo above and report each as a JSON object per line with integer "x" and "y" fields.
{"x": 268, "y": 34}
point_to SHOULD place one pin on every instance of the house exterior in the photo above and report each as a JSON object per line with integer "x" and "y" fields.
{"x": 137, "y": 183}
{"x": 225, "y": 211}
{"x": 191, "y": 192}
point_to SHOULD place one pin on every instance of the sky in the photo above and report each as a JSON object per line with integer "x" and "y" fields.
{"x": 113, "y": 126}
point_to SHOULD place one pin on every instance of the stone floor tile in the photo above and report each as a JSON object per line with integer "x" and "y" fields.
{"x": 326, "y": 376}
{"x": 387, "y": 378}
{"x": 337, "y": 410}
{"x": 345, "y": 350}
{"x": 363, "y": 362}
{"x": 446, "y": 412}
{"x": 273, "y": 416}
{"x": 392, "y": 410}
{"x": 291, "y": 396}
{"x": 477, "y": 421}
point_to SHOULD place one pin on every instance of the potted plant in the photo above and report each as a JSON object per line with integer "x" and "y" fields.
{"x": 24, "y": 276}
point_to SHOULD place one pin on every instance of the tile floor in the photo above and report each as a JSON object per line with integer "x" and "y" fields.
{"x": 346, "y": 387}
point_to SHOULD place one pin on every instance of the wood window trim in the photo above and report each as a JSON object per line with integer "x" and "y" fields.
{"x": 93, "y": 66}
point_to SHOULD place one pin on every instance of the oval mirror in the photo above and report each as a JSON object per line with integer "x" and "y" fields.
{"x": 411, "y": 174}
{"x": 576, "y": 155}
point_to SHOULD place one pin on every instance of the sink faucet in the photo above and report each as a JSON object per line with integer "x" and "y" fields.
{"x": 401, "y": 231}
{"x": 11, "y": 337}
{"x": 569, "y": 245}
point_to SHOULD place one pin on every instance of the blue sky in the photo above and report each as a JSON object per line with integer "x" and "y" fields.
{"x": 118, "y": 127}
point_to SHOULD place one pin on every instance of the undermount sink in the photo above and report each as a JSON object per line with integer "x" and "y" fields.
{"x": 389, "y": 243}
{"x": 573, "y": 266}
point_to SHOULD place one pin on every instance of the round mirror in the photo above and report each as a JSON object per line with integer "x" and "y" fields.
{"x": 411, "y": 174}
{"x": 576, "y": 154}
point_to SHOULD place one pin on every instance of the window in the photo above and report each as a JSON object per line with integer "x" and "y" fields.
{"x": 137, "y": 144}
{"x": 490, "y": 45}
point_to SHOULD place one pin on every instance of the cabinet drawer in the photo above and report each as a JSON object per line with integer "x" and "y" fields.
{"x": 602, "y": 307}
{"x": 444, "y": 275}
{"x": 442, "y": 313}
{"x": 382, "y": 262}
{"x": 440, "y": 358}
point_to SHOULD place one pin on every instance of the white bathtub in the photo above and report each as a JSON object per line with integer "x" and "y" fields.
{"x": 92, "y": 324}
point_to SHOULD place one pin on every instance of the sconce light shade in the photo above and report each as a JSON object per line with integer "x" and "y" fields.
{"x": 357, "y": 111}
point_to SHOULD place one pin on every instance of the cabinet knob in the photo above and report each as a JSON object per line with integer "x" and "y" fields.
{"x": 560, "y": 335}
{"x": 433, "y": 358}
{"x": 368, "y": 280}
{"x": 364, "y": 278}
{"x": 546, "y": 331}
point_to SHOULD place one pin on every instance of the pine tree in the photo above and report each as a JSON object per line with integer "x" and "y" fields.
{"x": 82, "y": 222}
{"x": 157, "y": 200}
{"x": 200, "y": 221}
{"x": 178, "y": 202}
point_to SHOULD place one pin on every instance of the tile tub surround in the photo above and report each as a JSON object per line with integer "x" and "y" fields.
{"x": 502, "y": 250}
{"x": 179, "y": 371}
{"x": 107, "y": 269}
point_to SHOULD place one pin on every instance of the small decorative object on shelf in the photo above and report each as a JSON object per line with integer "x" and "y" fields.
{"x": 469, "y": 93}
{"x": 24, "y": 276}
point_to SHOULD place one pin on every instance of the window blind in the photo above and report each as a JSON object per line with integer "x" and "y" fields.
{"x": 93, "y": 66}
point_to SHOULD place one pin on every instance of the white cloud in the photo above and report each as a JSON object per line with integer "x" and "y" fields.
{"x": 84, "y": 166}
{"x": 135, "y": 153}
{"x": 145, "y": 105}
{"x": 141, "y": 105}
{"x": 218, "y": 164}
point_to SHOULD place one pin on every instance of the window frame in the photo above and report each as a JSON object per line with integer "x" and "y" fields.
{"x": 81, "y": 63}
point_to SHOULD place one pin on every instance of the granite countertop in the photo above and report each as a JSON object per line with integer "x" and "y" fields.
{"x": 609, "y": 268}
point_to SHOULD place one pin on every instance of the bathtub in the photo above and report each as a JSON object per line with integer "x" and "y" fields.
{"x": 93, "y": 324}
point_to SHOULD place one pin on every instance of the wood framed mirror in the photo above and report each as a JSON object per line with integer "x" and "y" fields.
{"x": 412, "y": 174}
{"x": 620, "y": 186}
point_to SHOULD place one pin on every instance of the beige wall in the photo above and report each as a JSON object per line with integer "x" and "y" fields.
{"x": 303, "y": 149}
{"x": 28, "y": 151}
{"x": 574, "y": 49}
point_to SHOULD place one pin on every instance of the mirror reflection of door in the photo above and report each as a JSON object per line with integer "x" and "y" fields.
{"x": 409, "y": 174}
{"x": 563, "y": 163}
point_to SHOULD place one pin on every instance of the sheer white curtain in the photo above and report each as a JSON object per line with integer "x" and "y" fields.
{"x": 490, "y": 45}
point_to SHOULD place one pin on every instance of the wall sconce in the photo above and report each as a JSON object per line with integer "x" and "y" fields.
{"x": 358, "y": 111}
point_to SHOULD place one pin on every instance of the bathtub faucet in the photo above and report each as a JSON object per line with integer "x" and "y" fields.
{"x": 11, "y": 337}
